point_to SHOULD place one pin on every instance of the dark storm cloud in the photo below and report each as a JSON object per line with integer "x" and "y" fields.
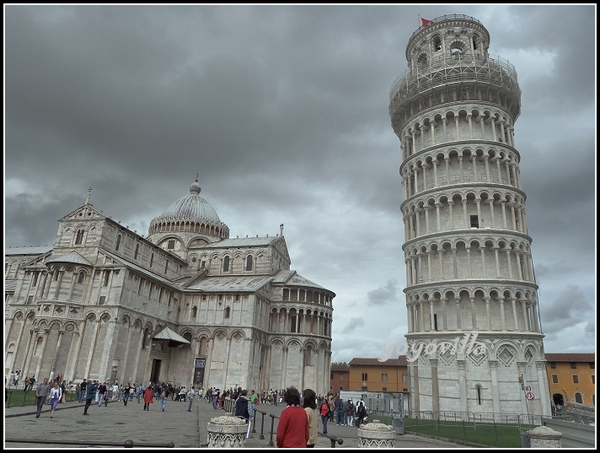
{"x": 282, "y": 111}
{"x": 570, "y": 307}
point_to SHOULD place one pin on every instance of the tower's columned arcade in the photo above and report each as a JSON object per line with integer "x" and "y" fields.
{"x": 467, "y": 251}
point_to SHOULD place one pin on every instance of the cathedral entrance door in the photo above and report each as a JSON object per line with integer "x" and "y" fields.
{"x": 155, "y": 373}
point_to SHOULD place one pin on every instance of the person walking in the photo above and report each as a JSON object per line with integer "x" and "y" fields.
{"x": 163, "y": 395}
{"x": 126, "y": 391}
{"x": 361, "y": 413}
{"x": 82, "y": 391}
{"x": 102, "y": 394}
{"x": 91, "y": 390}
{"x": 41, "y": 395}
{"x": 191, "y": 394}
{"x": 309, "y": 403}
{"x": 115, "y": 393}
{"x": 139, "y": 392}
{"x": 350, "y": 413}
{"x": 324, "y": 414}
{"x": 148, "y": 398}
{"x": 31, "y": 382}
{"x": 215, "y": 398}
{"x": 63, "y": 389}
{"x": 241, "y": 406}
{"x": 55, "y": 396}
{"x": 182, "y": 393}
{"x": 292, "y": 430}
{"x": 252, "y": 410}
{"x": 344, "y": 412}
{"x": 338, "y": 410}
{"x": 331, "y": 404}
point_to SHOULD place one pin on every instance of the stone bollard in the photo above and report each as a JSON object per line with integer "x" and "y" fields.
{"x": 544, "y": 437}
{"x": 226, "y": 431}
{"x": 376, "y": 435}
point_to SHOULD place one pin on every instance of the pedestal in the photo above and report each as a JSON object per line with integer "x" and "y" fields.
{"x": 544, "y": 437}
{"x": 376, "y": 435}
{"x": 226, "y": 431}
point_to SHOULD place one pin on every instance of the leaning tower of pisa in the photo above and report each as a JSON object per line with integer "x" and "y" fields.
{"x": 473, "y": 316}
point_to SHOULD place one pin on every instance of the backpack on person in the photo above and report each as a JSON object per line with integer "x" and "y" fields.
{"x": 362, "y": 411}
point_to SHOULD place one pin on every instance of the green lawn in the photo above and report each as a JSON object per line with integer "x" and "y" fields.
{"x": 17, "y": 397}
{"x": 488, "y": 434}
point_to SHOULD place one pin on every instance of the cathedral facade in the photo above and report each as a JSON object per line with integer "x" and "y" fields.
{"x": 186, "y": 304}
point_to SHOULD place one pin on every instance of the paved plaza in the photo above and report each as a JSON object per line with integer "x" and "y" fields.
{"x": 116, "y": 424}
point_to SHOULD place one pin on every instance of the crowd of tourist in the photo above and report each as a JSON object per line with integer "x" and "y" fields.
{"x": 297, "y": 427}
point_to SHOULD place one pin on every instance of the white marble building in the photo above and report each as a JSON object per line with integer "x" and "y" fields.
{"x": 185, "y": 304}
{"x": 467, "y": 252}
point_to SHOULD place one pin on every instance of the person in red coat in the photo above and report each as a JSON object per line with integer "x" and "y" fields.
{"x": 292, "y": 430}
{"x": 148, "y": 397}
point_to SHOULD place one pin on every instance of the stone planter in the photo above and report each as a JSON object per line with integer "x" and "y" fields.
{"x": 226, "y": 431}
{"x": 544, "y": 437}
{"x": 376, "y": 435}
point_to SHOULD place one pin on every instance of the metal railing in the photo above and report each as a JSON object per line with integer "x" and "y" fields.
{"x": 126, "y": 444}
{"x": 492, "y": 72}
{"x": 228, "y": 406}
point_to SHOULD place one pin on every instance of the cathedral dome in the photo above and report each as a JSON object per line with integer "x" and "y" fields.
{"x": 191, "y": 208}
{"x": 190, "y": 213}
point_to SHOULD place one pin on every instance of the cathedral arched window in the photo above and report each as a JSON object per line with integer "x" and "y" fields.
{"x": 188, "y": 337}
{"x": 226, "y": 264}
{"x": 80, "y": 277}
{"x": 227, "y": 312}
{"x": 479, "y": 397}
{"x": 145, "y": 339}
{"x": 249, "y": 263}
{"x": 293, "y": 317}
{"x": 79, "y": 237}
{"x": 118, "y": 243}
{"x": 194, "y": 312}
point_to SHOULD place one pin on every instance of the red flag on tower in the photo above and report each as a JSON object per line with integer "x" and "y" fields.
{"x": 426, "y": 22}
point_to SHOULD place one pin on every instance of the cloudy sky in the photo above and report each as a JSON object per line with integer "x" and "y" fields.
{"x": 283, "y": 113}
